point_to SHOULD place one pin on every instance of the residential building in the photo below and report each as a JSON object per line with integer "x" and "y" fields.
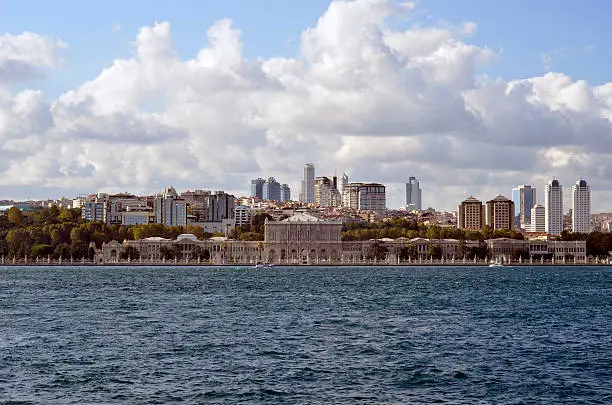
{"x": 538, "y": 219}
{"x": 92, "y": 211}
{"x": 365, "y": 197}
{"x": 137, "y": 216}
{"x": 524, "y": 198}
{"x": 581, "y": 207}
{"x": 350, "y": 195}
{"x": 221, "y": 206}
{"x": 257, "y": 187}
{"x": 272, "y": 190}
{"x": 499, "y": 213}
{"x": 308, "y": 179}
{"x": 242, "y": 215}
{"x": 326, "y": 192}
{"x": 169, "y": 208}
{"x": 471, "y": 214}
{"x": 553, "y": 205}
{"x": 413, "y": 195}
{"x": 95, "y": 208}
{"x": 372, "y": 197}
{"x": 209, "y": 206}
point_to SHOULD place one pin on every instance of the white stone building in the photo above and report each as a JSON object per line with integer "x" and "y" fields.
{"x": 581, "y": 207}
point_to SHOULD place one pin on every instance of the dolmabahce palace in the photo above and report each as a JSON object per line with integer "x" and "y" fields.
{"x": 304, "y": 239}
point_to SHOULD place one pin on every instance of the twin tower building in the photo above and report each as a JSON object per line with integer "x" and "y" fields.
{"x": 523, "y": 211}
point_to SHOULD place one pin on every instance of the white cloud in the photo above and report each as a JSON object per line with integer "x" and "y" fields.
{"x": 362, "y": 96}
{"x": 23, "y": 56}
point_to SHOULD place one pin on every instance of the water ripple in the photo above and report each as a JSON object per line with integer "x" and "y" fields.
{"x": 305, "y": 335}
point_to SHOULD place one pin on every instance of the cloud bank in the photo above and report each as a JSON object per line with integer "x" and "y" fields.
{"x": 362, "y": 96}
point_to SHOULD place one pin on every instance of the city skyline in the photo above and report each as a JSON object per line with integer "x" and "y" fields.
{"x": 226, "y": 92}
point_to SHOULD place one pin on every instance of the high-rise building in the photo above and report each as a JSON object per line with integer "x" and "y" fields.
{"x": 471, "y": 214}
{"x": 413, "y": 194}
{"x": 581, "y": 207}
{"x": 499, "y": 213}
{"x": 524, "y": 198}
{"x": 285, "y": 192}
{"x": 272, "y": 190}
{"x": 350, "y": 195}
{"x": 372, "y": 197}
{"x": 257, "y": 187}
{"x": 169, "y": 209}
{"x": 343, "y": 183}
{"x": 326, "y": 192}
{"x": 365, "y": 197}
{"x": 308, "y": 179}
{"x": 553, "y": 204}
{"x": 538, "y": 219}
{"x": 221, "y": 206}
{"x": 209, "y": 206}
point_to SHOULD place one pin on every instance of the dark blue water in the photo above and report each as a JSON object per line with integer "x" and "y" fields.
{"x": 107, "y": 335}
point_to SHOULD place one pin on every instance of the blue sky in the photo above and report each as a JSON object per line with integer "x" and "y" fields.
{"x": 573, "y": 34}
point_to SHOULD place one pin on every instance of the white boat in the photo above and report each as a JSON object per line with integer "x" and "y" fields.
{"x": 496, "y": 265}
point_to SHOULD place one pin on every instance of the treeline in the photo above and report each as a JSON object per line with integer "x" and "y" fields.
{"x": 61, "y": 233}
{"x": 407, "y": 228}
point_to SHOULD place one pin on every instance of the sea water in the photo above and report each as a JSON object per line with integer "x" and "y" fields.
{"x": 305, "y": 335}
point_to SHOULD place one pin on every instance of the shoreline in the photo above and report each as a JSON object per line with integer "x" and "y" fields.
{"x": 287, "y": 265}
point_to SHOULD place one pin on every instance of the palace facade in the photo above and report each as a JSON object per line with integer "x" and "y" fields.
{"x": 305, "y": 239}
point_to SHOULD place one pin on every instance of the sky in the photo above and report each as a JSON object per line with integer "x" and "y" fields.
{"x": 472, "y": 97}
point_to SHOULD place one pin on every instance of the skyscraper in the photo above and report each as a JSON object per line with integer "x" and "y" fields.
{"x": 257, "y": 187}
{"x": 581, "y": 207}
{"x": 553, "y": 205}
{"x": 524, "y": 198}
{"x": 272, "y": 190}
{"x": 285, "y": 192}
{"x": 308, "y": 179}
{"x": 413, "y": 194}
{"x": 343, "y": 183}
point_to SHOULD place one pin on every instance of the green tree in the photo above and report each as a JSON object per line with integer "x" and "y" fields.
{"x": 252, "y": 236}
{"x": 520, "y": 253}
{"x": 62, "y": 251}
{"x": 41, "y": 250}
{"x": 201, "y": 253}
{"x": 15, "y": 216}
{"x": 378, "y": 251}
{"x": 435, "y": 251}
{"x": 69, "y": 215}
{"x": 129, "y": 253}
{"x": 78, "y": 249}
{"x": 19, "y": 243}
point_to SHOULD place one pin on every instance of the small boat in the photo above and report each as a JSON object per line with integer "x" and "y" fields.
{"x": 496, "y": 265}
{"x": 259, "y": 265}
